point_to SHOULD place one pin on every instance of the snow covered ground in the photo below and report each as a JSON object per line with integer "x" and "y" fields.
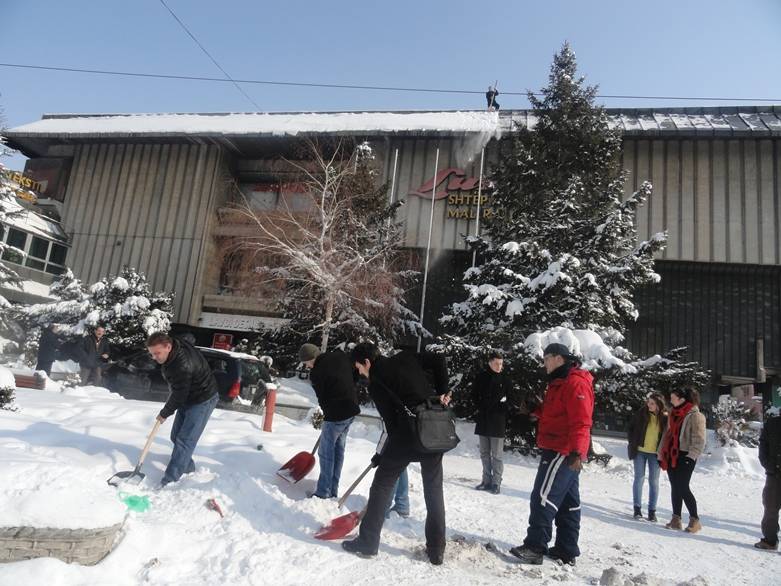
{"x": 58, "y": 449}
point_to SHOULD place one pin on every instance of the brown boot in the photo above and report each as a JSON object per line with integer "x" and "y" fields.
{"x": 675, "y": 523}
{"x": 762, "y": 544}
{"x": 694, "y": 525}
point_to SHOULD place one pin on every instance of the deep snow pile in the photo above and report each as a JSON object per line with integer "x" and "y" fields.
{"x": 266, "y": 535}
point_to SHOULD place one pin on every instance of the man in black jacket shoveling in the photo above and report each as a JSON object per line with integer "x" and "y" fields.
{"x": 332, "y": 379}
{"x": 193, "y": 397}
{"x": 404, "y": 376}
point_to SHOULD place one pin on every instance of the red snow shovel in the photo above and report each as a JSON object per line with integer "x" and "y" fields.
{"x": 342, "y": 526}
{"x": 299, "y": 465}
{"x": 136, "y": 473}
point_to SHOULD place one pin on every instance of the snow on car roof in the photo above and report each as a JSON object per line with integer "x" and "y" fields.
{"x": 231, "y": 353}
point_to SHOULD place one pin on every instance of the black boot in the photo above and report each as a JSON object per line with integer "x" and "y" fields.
{"x": 652, "y": 516}
{"x": 356, "y": 547}
{"x": 483, "y": 486}
{"x": 494, "y": 489}
{"x": 638, "y": 513}
{"x": 526, "y": 555}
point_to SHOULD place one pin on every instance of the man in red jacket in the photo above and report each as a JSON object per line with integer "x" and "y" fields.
{"x": 563, "y": 435}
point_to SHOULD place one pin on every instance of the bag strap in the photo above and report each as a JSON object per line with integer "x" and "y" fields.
{"x": 395, "y": 397}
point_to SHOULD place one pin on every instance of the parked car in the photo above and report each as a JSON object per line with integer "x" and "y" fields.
{"x": 238, "y": 375}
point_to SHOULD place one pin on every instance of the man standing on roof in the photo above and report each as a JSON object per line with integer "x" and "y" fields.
{"x": 563, "y": 435}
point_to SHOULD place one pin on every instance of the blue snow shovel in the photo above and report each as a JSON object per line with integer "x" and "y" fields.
{"x": 135, "y": 475}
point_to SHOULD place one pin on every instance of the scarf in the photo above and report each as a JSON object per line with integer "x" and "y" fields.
{"x": 671, "y": 448}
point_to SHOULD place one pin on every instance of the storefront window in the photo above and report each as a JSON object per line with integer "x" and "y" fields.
{"x": 39, "y": 248}
{"x": 18, "y": 239}
{"x": 57, "y": 254}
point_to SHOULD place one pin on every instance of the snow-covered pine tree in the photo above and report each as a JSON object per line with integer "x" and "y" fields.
{"x": 129, "y": 309}
{"x": 124, "y": 303}
{"x": 8, "y": 208}
{"x": 562, "y": 250}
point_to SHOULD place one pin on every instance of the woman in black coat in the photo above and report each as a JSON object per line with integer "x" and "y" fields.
{"x": 491, "y": 390}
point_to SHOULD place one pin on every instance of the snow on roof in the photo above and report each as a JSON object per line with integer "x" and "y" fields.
{"x": 30, "y": 221}
{"x": 240, "y": 355}
{"x": 289, "y": 124}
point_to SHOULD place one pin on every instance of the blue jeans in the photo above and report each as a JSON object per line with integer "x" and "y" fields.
{"x": 333, "y": 438}
{"x": 555, "y": 496}
{"x": 400, "y": 502}
{"x": 653, "y": 479}
{"x": 185, "y": 433}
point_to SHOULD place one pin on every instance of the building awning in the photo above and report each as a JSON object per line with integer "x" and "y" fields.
{"x": 37, "y": 224}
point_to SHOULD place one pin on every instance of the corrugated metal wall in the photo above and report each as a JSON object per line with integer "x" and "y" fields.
{"x": 718, "y": 198}
{"x": 415, "y": 166}
{"x": 147, "y": 206}
{"x": 717, "y": 310}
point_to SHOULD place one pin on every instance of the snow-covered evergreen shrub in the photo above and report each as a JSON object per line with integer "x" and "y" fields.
{"x": 733, "y": 421}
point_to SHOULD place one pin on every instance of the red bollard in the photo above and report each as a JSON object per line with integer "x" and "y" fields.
{"x": 271, "y": 401}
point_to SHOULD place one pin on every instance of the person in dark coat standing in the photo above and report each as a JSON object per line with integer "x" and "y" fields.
{"x": 645, "y": 435}
{"x": 770, "y": 458}
{"x": 491, "y": 390}
{"x": 404, "y": 375}
{"x": 193, "y": 398}
{"x": 94, "y": 354}
{"x": 48, "y": 345}
{"x": 563, "y": 436}
{"x": 332, "y": 380}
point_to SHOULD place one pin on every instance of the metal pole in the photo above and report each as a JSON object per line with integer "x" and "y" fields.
{"x": 479, "y": 197}
{"x": 428, "y": 246}
{"x": 393, "y": 179}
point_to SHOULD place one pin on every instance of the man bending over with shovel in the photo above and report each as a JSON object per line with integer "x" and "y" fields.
{"x": 332, "y": 379}
{"x": 193, "y": 397}
{"x": 403, "y": 376}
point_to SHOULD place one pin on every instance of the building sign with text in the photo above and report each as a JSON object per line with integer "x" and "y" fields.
{"x": 461, "y": 193}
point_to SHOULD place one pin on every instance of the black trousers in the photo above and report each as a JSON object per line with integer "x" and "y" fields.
{"x": 771, "y": 499}
{"x": 381, "y": 492}
{"x": 680, "y": 476}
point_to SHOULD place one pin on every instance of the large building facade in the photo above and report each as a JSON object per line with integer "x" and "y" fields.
{"x": 148, "y": 191}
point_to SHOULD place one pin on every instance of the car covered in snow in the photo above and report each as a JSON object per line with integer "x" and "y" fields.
{"x": 137, "y": 376}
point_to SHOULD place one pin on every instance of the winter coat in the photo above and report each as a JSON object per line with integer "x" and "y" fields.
{"x": 565, "y": 416}
{"x": 332, "y": 380}
{"x": 637, "y": 428}
{"x": 189, "y": 377}
{"x": 770, "y": 446}
{"x": 48, "y": 346}
{"x": 404, "y": 374}
{"x": 488, "y": 390}
{"x": 692, "y": 438}
{"x": 92, "y": 351}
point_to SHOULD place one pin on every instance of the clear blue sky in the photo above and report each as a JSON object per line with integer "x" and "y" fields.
{"x": 684, "y": 47}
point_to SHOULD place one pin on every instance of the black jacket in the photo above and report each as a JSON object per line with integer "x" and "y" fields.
{"x": 770, "y": 446}
{"x": 91, "y": 351}
{"x": 488, "y": 389}
{"x": 404, "y": 375}
{"x": 48, "y": 345}
{"x": 636, "y": 431}
{"x": 189, "y": 378}
{"x": 332, "y": 380}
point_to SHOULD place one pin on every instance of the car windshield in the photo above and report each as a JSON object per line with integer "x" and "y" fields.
{"x": 250, "y": 372}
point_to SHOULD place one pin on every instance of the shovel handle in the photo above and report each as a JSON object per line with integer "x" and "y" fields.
{"x": 317, "y": 445}
{"x": 148, "y": 443}
{"x": 353, "y": 485}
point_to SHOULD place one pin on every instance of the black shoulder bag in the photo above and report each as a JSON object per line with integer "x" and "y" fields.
{"x": 431, "y": 424}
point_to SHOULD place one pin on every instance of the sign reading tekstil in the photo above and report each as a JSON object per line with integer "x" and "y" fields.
{"x": 461, "y": 193}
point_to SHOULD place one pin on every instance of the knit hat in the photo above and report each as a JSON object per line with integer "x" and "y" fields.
{"x": 557, "y": 349}
{"x": 308, "y": 352}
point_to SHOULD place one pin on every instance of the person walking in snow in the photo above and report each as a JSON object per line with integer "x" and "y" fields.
{"x": 645, "y": 432}
{"x": 770, "y": 458}
{"x": 193, "y": 398}
{"x": 94, "y": 353}
{"x": 490, "y": 98}
{"x": 491, "y": 390}
{"x": 563, "y": 436}
{"x": 682, "y": 443}
{"x": 401, "y": 376}
{"x": 48, "y": 345}
{"x": 332, "y": 380}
